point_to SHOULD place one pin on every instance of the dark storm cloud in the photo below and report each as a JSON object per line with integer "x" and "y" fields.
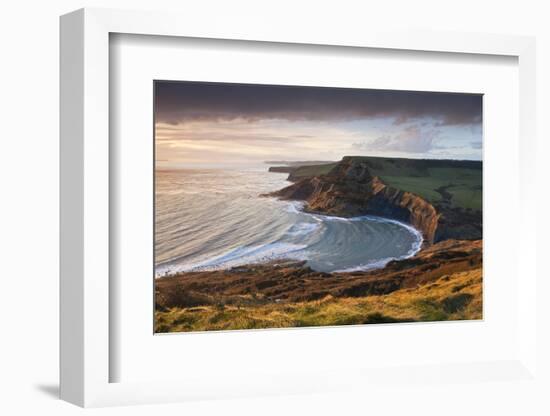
{"x": 191, "y": 101}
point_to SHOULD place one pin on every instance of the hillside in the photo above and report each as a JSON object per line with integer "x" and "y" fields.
{"x": 441, "y": 198}
{"x": 442, "y": 282}
{"x": 457, "y": 183}
{"x": 300, "y": 170}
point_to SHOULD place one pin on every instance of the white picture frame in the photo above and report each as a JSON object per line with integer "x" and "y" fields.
{"x": 85, "y": 221}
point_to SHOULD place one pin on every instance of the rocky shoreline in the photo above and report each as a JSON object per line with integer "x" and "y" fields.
{"x": 442, "y": 282}
{"x": 292, "y": 281}
{"x": 350, "y": 189}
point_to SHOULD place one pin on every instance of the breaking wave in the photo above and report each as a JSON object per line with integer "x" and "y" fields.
{"x": 211, "y": 220}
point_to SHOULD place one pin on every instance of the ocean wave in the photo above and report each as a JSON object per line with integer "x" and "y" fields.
{"x": 380, "y": 263}
{"x": 261, "y": 253}
{"x": 238, "y": 257}
{"x": 294, "y": 207}
{"x": 302, "y": 228}
{"x": 209, "y": 233}
{"x": 267, "y": 252}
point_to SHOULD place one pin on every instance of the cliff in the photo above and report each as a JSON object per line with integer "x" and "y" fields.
{"x": 349, "y": 189}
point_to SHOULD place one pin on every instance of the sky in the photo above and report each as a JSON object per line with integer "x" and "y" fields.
{"x": 220, "y": 124}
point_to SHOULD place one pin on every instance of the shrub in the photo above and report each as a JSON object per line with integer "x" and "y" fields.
{"x": 457, "y": 302}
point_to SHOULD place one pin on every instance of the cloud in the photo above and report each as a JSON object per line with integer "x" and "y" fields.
{"x": 199, "y": 141}
{"x": 181, "y": 102}
{"x": 412, "y": 139}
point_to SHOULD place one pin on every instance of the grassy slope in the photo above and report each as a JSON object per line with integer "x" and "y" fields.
{"x": 451, "y": 297}
{"x": 461, "y": 179}
{"x": 463, "y": 184}
{"x": 313, "y": 170}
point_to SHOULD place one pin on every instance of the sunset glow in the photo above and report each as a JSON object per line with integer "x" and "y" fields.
{"x": 200, "y": 124}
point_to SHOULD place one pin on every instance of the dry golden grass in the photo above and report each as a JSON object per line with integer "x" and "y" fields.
{"x": 451, "y": 297}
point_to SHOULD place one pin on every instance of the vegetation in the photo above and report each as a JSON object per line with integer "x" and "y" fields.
{"x": 451, "y": 183}
{"x": 309, "y": 171}
{"x": 460, "y": 187}
{"x": 441, "y": 282}
{"x": 451, "y": 297}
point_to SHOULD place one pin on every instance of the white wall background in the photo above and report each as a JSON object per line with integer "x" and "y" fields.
{"x": 29, "y": 182}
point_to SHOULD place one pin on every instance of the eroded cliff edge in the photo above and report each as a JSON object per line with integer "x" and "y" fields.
{"x": 351, "y": 189}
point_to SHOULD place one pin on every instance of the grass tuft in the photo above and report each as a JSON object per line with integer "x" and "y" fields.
{"x": 452, "y": 297}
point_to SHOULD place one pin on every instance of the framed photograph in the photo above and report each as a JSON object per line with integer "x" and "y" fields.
{"x": 330, "y": 206}
{"x": 269, "y": 212}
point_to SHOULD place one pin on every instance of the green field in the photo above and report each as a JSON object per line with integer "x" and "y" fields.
{"x": 309, "y": 171}
{"x": 454, "y": 183}
{"x": 463, "y": 186}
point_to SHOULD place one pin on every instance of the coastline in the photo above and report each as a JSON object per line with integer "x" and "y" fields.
{"x": 439, "y": 278}
{"x": 381, "y": 263}
{"x": 441, "y": 282}
{"x": 298, "y": 207}
{"x": 401, "y": 189}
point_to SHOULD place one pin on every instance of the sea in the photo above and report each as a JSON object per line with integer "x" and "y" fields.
{"x": 211, "y": 219}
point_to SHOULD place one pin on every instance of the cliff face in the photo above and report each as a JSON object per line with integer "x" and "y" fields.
{"x": 350, "y": 189}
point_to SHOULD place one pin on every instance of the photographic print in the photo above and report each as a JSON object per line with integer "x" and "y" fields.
{"x": 296, "y": 206}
